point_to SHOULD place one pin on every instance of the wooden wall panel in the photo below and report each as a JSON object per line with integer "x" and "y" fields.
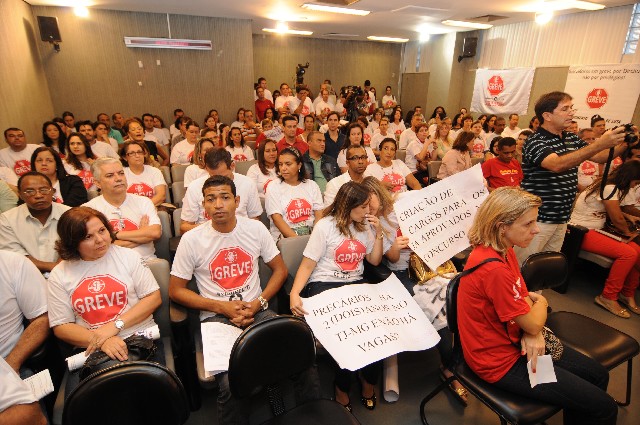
{"x": 415, "y": 87}
{"x": 95, "y": 72}
{"x": 24, "y": 95}
{"x": 343, "y": 62}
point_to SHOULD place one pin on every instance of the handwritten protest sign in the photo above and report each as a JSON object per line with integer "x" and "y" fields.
{"x": 436, "y": 219}
{"x": 361, "y": 324}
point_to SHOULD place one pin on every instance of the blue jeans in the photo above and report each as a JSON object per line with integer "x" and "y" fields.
{"x": 580, "y": 390}
{"x": 234, "y": 411}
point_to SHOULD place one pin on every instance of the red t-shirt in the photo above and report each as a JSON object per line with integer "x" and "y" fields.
{"x": 299, "y": 144}
{"x": 262, "y": 106}
{"x": 499, "y": 174}
{"x": 489, "y": 297}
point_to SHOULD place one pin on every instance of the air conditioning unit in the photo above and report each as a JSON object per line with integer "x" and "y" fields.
{"x": 167, "y": 43}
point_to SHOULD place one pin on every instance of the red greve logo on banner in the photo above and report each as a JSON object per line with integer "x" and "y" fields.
{"x": 21, "y": 167}
{"x": 298, "y": 210}
{"x": 98, "y": 299}
{"x": 231, "y": 267}
{"x": 496, "y": 85}
{"x": 597, "y": 98}
{"x": 349, "y": 254}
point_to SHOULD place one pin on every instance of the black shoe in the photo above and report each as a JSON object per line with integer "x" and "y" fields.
{"x": 369, "y": 402}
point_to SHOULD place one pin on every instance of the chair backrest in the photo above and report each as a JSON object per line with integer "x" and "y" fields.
{"x": 162, "y": 244}
{"x": 268, "y": 352}
{"x": 401, "y": 154}
{"x": 291, "y": 250}
{"x": 544, "y": 270}
{"x": 160, "y": 270}
{"x": 166, "y": 173}
{"x": 129, "y": 393}
{"x": 264, "y": 218}
{"x": 176, "y": 221}
{"x": 475, "y": 161}
{"x": 92, "y": 194}
{"x": 243, "y": 166}
{"x": 452, "y": 304}
{"x": 433, "y": 167}
{"x": 178, "y": 191}
{"x": 251, "y": 144}
{"x": 177, "y": 172}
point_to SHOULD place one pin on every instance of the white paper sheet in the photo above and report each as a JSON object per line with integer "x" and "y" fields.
{"x": 361, "y": 324}
{"x": 40, "y": 383}
{"x": 544, "y": 371}
{"x": 217, "y": 342}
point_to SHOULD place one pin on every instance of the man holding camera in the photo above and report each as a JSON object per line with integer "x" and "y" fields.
{"x": 550, "y": 160}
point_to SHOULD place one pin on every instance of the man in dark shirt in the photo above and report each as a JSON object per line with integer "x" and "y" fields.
{"x": 333, "y": 137}
{"x": 320, "y": 167}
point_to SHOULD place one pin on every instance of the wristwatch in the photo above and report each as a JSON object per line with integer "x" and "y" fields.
{"x": 119, "y": 324}
{"x": 263, "y": 303}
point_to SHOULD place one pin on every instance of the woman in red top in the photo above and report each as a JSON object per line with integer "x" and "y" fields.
{"x": 500, "y": 321}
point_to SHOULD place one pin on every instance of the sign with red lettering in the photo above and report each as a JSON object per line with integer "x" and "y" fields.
{"x": 231, "y": 267}
{"x": 99, "y": 299}
{"x": 597, "y": 98}
{"x": 496, "y": 85}
{"x": 141, "y": 189}
{"x": 120, "y": 224}
{"x": 396, "y": 180}
{"x": 298, "y": 210}
{"x": 349, "y": 254}
{"x": 21, "y": 167}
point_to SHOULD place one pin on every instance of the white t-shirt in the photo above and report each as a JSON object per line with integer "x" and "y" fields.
{"x": 589, "y": 211}
{"x": 160, "y": 135}
{"x": 406, "y": 137}
{"x": 391, "y": 231}
{"x": 283, "y": 101}
{"x": 333, "y": 186}
{"x": 386, "y": 102}
{"x": 342, "y": 156}
{"x": 378, "y": 138}
{"x": 225, "y": 265}
{"x": 92, "y": 293}
{"x": 193, "y": 211}
{"x": 23, "y": 292}
{"x": 143, "y": 184}
{"x": 588, "y": 172}
{"x": 85, "y": 174}
{"x": 8, "y": 176}
{"x": 13, "y": 390}
{"x": 323, "y": 107}
{"x": 19, "y": 162}
{"x": 414, "y": 148}
{"x": 338, "y": 257}
{"x": 261, "y": 181}
{"x": 192, "y": 173}
{"x": 396, "y": 129}
{"x": 507, "y": 132}
{"x": 307, "y": 108}
{"x": 173, "y": 131}
{"x": 182, "y": 153}
{"x": 296, "y": 204}
{"x": 240, "y": 153}
{"x": 128, "y": 216}
{"x": 395, "y": 174}
{"x": 102, "y": 149}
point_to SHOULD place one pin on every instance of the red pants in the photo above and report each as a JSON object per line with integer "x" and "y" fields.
{"x": 624, "y": 275}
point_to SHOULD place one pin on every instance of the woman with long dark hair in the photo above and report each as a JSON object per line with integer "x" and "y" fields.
{"x": 79, "y": 159}
{"x": 70, "y": 189}
{"x": 53, "y": 137}
{"x": 266, "y": 170}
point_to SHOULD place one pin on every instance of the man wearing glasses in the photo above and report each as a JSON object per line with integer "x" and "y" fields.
{"x": 31, "y": 229}
{"x": 134, "y": 218}
{"x": 357, "y": 162}
{"x": 550, "y": 160}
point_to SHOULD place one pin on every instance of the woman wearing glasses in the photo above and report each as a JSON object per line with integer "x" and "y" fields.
{"x": 143, "y": 179}
{"x": 70, "y": 189}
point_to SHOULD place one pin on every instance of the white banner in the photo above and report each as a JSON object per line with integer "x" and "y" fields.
{"x": 436, "y": 218}
{"x": 361, "y": 324}
{"x": 502, "y": 91}
{"x": 610, "y": 91}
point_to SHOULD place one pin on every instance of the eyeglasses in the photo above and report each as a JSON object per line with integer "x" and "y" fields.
{"x": 358, "y": 158}
{"x": 134, "y": 153}
{"x": 41, "y": 191}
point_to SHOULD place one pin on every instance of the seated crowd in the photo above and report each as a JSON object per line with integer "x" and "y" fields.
{"x": 82, "y": 209}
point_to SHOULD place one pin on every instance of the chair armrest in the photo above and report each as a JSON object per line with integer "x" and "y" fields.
{"x": 375, "y": 274}
{"x": 177, "y": 314}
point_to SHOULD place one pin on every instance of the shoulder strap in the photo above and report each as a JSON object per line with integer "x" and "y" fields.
{"x": 477, "y": 266}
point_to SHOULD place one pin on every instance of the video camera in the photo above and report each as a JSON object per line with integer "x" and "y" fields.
{"x": 300, "y": 70}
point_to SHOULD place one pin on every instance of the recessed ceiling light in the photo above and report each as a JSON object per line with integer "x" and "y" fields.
{"x": 391, "y": 39}
{"x": 81, "y": 11}
{"x": 334, "y": 9}
{"x": 560, "y": 5}
{"x": 476, "y": 25}
{"x": 288, "y": 31}
{"x": 543, "y": 17}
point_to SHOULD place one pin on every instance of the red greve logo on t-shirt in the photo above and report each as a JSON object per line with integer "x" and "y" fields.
{"x": 398, "y": 132}
{"x": 367, "y": 139}
{"x": 98, "y": 299}
{"x": 496, "y": 85}
{"x": 588, "y": 168}
{"x": 87, "y": 178}
{"x": 298, "y": 210}
{"x": 120, "y": 224}
{"x": 141, "y": 189}
{"x": 597, "y": 98}
{"x": 21, "y": 167}
{"x": 231, "y": 267}
{"x": 349, "y": 254}
{"x": 240, "y": 157}
{"x": 478, "y": 147}
{"x": 266, "y": 184}
{"x": 395, "y": 179}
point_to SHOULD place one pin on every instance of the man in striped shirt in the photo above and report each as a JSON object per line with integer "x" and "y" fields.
{"x": 550, "y": 160}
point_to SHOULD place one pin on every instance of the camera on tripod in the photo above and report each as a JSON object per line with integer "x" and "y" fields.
{"x": 300, "y": 70}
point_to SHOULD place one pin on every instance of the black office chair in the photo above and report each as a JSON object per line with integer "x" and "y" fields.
{"x": 129, "y": 393}
{"x": 608, "y": 346}
{"x": 509, "y": 407}
{"x": 271, "y": 351}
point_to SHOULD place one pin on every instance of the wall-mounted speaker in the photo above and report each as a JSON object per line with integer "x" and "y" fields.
{"x": 49, "y": 29}
{"x": 469, "y": 45}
